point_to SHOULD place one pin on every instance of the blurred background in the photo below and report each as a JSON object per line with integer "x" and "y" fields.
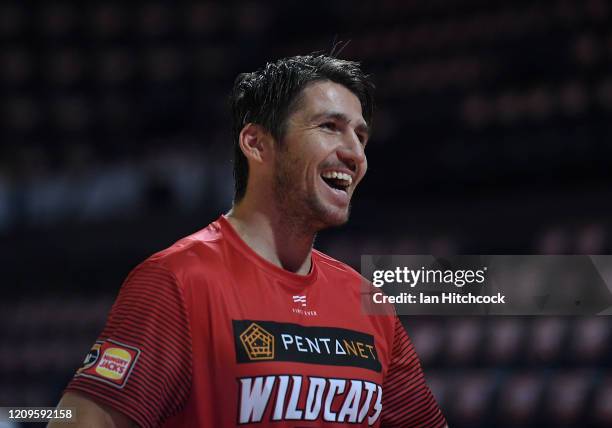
{"x": 492, "y": 137}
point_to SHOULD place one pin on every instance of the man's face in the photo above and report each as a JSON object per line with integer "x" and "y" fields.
{"x": 321, "y": 158}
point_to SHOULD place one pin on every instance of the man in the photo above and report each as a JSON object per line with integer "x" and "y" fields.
{"x": 243, "y": 322}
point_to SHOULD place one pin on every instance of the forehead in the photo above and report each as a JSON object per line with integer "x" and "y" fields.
{"x": 322, "y": 96}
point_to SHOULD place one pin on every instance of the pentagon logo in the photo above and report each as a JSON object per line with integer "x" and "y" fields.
{"x": 258, "y": 343}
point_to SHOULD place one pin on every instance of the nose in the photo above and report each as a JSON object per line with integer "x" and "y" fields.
{"x": 352, "y": 153}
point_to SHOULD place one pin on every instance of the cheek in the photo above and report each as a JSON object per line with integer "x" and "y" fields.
{"x": 364, "y": 169}
{"x": 313, "y": 175}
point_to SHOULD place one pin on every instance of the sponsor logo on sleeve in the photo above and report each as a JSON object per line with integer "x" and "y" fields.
{"x": 110, "y": 362}
{"x": 264, "y": 341}
{"x": 91, "y": 358}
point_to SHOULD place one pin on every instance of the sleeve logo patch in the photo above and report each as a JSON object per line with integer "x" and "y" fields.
{"x": 92, "y": 357}
{"x": 110, "y": 362}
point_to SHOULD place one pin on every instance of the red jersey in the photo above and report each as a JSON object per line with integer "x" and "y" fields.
{"x": 208, "y": 334}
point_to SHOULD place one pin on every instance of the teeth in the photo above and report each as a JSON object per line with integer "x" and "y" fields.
{"x": 339, "y": 176}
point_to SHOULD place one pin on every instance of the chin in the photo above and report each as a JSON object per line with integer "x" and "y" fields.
{"x": 334, "y": 217}
{"x": 324, "y": 214}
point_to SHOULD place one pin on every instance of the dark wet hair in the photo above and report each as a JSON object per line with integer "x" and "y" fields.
{"x": 268, "y": 96}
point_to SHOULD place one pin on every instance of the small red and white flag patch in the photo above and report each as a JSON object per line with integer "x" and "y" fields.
{"x": 109, "y": 361}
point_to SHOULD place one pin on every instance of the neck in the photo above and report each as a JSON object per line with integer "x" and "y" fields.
{"x": 273, "y": 237}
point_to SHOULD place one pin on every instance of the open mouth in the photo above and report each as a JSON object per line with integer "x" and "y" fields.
{"x": 337, "y": 180}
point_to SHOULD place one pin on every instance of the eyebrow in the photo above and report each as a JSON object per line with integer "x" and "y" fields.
{"x": 362, "y": 127}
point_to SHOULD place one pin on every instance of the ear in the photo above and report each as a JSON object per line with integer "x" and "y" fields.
{"x": 254, "y": 142}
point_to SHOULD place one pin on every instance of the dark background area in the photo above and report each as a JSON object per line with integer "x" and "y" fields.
{"x": 492, "y": 136}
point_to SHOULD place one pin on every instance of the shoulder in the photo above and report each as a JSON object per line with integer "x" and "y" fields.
{"x": 345, "y": 279}
{"x": 176, "y": 272}
{"x": 341, "y": 274}
{"x": 202, "y": 251}
{"x": 334, "y": 267}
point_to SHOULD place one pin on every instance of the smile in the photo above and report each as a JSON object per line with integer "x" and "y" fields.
{"x": 337, "y": 180}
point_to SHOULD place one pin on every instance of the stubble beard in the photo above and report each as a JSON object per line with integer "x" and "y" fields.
{"x": 300, "y": 208}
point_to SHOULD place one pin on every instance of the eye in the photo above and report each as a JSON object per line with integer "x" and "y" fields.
{"x": 363, "y": 139}
{"x": 329, "y": 125}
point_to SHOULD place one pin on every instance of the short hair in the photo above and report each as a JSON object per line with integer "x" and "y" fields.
{"x": 268, "y": 96}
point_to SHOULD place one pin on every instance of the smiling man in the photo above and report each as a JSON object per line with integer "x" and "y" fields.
{"x": 243, "y": 322}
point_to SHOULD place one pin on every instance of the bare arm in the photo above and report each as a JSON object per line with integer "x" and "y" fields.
{"x": 91, "y": 414}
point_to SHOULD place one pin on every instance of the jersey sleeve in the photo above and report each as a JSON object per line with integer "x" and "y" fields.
{"x": 407, "y": 400}
{"x": 141, "y": 363}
